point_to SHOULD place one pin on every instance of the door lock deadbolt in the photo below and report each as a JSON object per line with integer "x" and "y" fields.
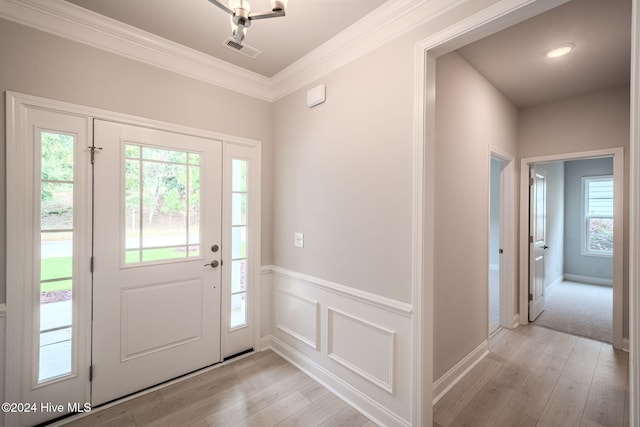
{"x": 215, "y": 248}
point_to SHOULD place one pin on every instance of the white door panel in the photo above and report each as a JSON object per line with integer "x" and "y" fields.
{"x": 537, "y": 247}
{"x": 156, "y": 295}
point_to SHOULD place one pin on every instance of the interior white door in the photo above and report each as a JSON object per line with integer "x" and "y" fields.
{"x": 157, "y": 233}
{"x": 537, "y": 240}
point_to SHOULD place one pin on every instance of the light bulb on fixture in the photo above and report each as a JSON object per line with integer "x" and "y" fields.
{"x": 560, "y": 50}
{"x": 241, "y": 16}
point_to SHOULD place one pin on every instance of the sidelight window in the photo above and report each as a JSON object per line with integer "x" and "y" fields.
{"x": 56, "y": 255}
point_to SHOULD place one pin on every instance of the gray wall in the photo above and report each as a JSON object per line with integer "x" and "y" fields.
{"x": 343, "y": 176}
{"x": 471, "y": 117}
{"x": 594, "y": 121}
{"x": 574, "y": 262}
{"x": 40, "y": 64}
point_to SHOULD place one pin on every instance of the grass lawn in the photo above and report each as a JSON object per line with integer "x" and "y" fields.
{"x": 59, "y": 267}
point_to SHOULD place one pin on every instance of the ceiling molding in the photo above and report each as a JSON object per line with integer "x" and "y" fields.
{"x": 78, "y": 24}
{"x": 389, "y": 21}
{"x": 384, "y": 24}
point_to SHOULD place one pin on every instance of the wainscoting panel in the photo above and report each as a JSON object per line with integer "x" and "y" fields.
{"x": 362, "y": 348}
{"x": 377, "y": 365}
{"x": 298, "y": 317}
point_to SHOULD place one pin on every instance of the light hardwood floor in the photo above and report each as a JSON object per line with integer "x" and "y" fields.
{"x": 535, "y": 376}
{"x": 262, "y": 390}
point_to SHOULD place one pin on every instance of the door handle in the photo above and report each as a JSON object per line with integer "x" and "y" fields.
{"x": 545, "y": 247}
{"x": 213, "y": 263}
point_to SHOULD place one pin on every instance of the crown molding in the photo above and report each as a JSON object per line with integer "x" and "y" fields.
{"x": 384, "y": 24}
{"x": 389, "y": 21}
{"x": 81, "y": 25}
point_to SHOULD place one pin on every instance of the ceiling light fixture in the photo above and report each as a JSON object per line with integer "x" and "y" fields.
{"x": 560, "y": 50}
{"x": 241, "y": 16}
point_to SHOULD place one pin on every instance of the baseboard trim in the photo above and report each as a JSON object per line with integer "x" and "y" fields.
{"x": 339, "y": 387}
{"x": 589, "y": 280}
{"x": 558, "y": 280}
{"x": 455, "y": 374}
{"x": 265, "y": 343}
{"x": 516, "y": 320}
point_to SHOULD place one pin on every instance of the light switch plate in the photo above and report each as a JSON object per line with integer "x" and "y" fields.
{"x": 298, "y": 240}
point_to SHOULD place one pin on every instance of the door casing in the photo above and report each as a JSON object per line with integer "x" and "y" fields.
{"x": 618, "y": 247}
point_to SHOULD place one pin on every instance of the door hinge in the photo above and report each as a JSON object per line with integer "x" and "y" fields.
{"x": 530, "y": 181}
{"x": 91, "y": 264}
{"x": 530, "y": 239}
{"x": 91, "y": 373}
{"x": 500, "y": 251}
{"x": 530, "y": 297}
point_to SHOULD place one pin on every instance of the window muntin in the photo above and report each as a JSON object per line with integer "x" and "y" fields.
{"x": 162, "y": 204}
{"x": 598, "y": 215}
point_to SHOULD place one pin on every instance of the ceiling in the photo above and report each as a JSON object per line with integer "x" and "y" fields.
{"x": 202, "y": 26}
{"x": 513, "y": 59}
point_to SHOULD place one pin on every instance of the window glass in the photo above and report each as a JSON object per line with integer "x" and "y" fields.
{"x": 598, "y": 214}
{"x": 239, "y": 228}
{"x": 162, "y": 204}
{"x": 56, "y": 255}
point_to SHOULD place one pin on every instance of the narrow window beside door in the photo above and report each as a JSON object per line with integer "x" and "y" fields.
{"x": 238, "y": 243}
{"x": 55, "y": 351}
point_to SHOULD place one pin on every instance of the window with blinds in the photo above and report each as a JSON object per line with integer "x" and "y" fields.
{"x": 598, "y": 215}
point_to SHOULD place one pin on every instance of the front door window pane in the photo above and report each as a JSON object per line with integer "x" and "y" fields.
{"x": 162, "y": 204}
{"x": 55, "y": 358}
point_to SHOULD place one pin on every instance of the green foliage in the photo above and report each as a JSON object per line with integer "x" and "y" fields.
{"x": 601, "y": 234}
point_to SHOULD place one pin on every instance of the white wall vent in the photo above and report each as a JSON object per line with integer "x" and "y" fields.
{"x": 243, "y": 49}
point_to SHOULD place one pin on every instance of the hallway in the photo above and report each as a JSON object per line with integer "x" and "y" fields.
{"x": 535, "y": 376}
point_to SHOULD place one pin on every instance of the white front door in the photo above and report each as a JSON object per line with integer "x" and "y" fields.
{"x": 537, "y": 241}
{"x": 157, "y": 238}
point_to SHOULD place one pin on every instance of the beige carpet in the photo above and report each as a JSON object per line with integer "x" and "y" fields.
{"x": 579, "y": 309}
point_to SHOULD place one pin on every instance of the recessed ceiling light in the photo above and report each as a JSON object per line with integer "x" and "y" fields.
{"x": 558, "y": 51}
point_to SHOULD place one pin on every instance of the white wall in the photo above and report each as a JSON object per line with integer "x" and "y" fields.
{"x": 590, "y": 122}
{"x": 471, "y": 116}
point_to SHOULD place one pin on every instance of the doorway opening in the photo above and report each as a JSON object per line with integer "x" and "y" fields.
{"x": 501, "y": 242}
{"x": 573, "y": 263}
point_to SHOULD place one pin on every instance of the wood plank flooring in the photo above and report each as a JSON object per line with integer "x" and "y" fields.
{"x": 262, "y": 390}
{"x": 535, "y": 376}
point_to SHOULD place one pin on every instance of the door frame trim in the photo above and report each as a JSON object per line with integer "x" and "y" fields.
{"x": 618, "y": 257}
{"x": 15, "y": 103}
{"x": 508, "y": 224}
